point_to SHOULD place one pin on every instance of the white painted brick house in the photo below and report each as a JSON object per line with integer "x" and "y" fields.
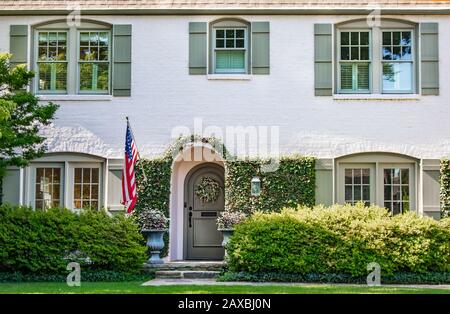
{"x": 368, "y": 97}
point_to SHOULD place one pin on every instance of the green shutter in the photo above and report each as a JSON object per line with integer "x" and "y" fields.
{"x": 18, "y": 44}
{"x": 260, "y": 47}
{"x": 323, "y": 55}
{"x": 429, "y": 58}
{"x": 197, "y": 48}
{"x": 121, "y": 83}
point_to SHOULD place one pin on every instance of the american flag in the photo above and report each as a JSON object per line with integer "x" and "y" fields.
{"x": 129, "y": 190}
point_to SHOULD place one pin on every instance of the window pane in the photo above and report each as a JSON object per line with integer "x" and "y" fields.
{"x": 366, "y": 193}
{"x": 363, "y": 76}
{"x": 406, "y": 39}
{"x": 405, "y": 193}
{"x": 397, "y": 76}
{"x": 230, "y": 43}
{"x": 354, "y": 38}
{"x": 406, "y": 53}
{"x": 94, "y": 178}
{"x": 357, "y": 176}
{"x": 43, "y": 37}
{"x": 346, "y": 77}
{"x": 229, "y": 33}
{"x": 396, "y": 53}
{"x": 220, "y": 43}
{"x": 364, "y": 53}
{"x": 396, "y": 176}
{"x": 396, "y": 192}
{"x": 366, "y": 176}
{"x": 345, "y": 53}
{"x": 387, "y": 176}
{"x": 387, "y": 53}
{"x": 77, "y": 191}
{"x": 86, "y": 191}
{"x": 94, "y": 194}
{"x": 405, "y": 176}
{"x": 348, "y": 193}
{"x": 103, "y": 39}
{"x": 354, "y": 53}
{"x": 345, "y": 38}
{"x": 364, "y": 38}
{"x": 387, "y": 192}
{"x": 52, "y": 76}
{"x": 84, "y": 39}
{"x": 86, "y": 175}
{"x": 77, "y": 177}
{"x": 396, "y": 38}
{"x": 239, "y": 33}
{"x": 93, "y": 39}
{"x": 239, "y": 43}
{"x": 94, "y": 76}
{"x": 357, "y": 191}
{"x": 387, "y": 38}
{"x": 220, "y": 33}
{"x": 396, "y": 208}
{"x": 348, "y": 176}
{"x": 230, "y": 60}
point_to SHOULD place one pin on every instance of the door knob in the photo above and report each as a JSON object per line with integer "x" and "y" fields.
{"x": 190, "y": 216}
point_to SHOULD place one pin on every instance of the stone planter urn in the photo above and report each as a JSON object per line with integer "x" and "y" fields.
{"x": 226, "y": 235}
{"x": 156, "y": 243}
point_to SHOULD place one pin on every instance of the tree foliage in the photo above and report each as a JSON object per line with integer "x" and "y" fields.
{"x": 21, "y": 116}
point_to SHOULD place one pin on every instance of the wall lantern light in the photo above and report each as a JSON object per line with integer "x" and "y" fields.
{"x": 256, "y": 186}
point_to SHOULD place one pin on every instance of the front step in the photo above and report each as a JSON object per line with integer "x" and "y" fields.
{"x": 189, "y": 274}
{"x": 186, "y": 266}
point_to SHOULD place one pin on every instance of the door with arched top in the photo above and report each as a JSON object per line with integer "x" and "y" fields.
{"x": 202, "y": 240}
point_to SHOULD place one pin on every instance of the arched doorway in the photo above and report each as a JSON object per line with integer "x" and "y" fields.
{"x": 202, "y": 241}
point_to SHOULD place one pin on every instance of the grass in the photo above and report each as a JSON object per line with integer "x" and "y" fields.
{"x": 135, "y": 287}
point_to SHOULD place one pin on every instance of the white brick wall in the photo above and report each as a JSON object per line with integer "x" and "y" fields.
{"x": 165, "y": 96}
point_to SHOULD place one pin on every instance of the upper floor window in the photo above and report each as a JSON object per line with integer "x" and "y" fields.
{"x": 72, "y": 61}
{"x": 230, "y": 51}
{"x": 354, "y": 61}
{"x": 378, "y": 59}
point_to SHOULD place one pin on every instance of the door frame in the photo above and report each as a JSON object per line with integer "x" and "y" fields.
{"x": 187, "y": 198}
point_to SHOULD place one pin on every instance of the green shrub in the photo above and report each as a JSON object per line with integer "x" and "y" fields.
{"x": 341, "y": 240}
{"x": 45, "y": 241}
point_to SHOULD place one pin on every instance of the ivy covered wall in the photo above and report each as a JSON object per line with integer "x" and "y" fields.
{"x": 445, "y": 188}
{"x": 292, "y": 184}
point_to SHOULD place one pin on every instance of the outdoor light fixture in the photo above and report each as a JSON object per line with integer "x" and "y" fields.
{"x": 256, "y": 186}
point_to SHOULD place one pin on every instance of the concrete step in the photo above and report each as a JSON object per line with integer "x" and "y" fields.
{"x": 190, "y": 274}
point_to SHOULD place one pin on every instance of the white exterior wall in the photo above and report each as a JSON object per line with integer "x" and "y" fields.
{"x": 164, "y": 96}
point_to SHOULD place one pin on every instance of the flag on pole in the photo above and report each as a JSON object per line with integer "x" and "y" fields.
{"x": 129, "y": 189}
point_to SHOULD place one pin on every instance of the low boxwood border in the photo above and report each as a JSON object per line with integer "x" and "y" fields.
{"x": 397, "y": 278}
{"x": 86, "y": 276}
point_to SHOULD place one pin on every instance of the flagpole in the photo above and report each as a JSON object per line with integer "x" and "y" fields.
{"x": 135, "y": 143}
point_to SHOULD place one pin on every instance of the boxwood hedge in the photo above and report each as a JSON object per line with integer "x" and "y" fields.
{"x": 34, "y": 241}
{"x": 339, "y": 240}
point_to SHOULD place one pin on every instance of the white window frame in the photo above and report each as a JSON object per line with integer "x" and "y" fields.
{"x": 412, "y": 61}
{"x": 31, "y": 186}
{"x": 71, "y": 194}
{"x": 339, "y": 61}
{"x": 341, "y": 179}
{"x": 79, "y": 91}
{"x": 245, "y": 48}
{"x": 36, "y": 60}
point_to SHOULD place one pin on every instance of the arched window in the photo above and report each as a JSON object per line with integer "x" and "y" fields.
{"x": 229, "y": 47}
{"x": 72, "y": 59}
{"x": 376, "y": 58}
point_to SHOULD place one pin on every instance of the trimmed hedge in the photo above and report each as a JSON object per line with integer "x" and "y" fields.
{"x": 342, "y": 239}
{"x": 34, "y": 241}
{"x": 292, "y": 184}
{"x": 445, "y": 188}
{"x": 434, "y": 278}
{"x": 86, "y": 276}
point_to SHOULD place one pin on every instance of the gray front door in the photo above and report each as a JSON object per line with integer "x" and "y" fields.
{"x": 202, "y": 240}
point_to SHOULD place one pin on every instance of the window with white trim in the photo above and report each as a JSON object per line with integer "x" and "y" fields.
{"x": 396, "y": 190}
{"x": 354, "y": 61}
{"x": 52, "y": 61}
{"x": 86, "y": 189}
{"x": 230, "y": 50}
{"x": 47, "y": 188}
{"x": 379, "y": 59}
{"x": 71, "y": 60}
{"x": 357, "y": 185}
{"x": 93, "y": 62}
{"x": 397, "y": 61}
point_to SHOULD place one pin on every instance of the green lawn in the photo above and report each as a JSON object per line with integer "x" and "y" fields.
{"x": 135, "y": 287}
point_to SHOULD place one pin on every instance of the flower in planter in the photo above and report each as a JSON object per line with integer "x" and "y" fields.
{"x": 151, "y": 219}
{"x": 208, "y": 191}
{"x": 228, "y": 219}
